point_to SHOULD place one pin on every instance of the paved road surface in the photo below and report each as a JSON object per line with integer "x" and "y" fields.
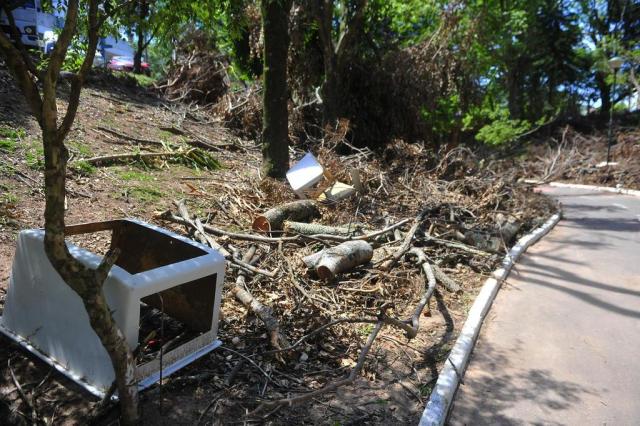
{"x": 561, "y": 344}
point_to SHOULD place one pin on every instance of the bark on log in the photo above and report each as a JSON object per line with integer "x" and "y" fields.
{"x": 316, "y": 228}
{"x": 444, "y": 279}
{"x": 273, "y": 220}
{"x": 343, "y": 257}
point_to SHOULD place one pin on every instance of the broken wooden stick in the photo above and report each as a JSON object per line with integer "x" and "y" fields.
{"x": 199, "y": 232}
{"x": 273, "y": 220}
{"x": 277, "y": 340}
{"x": 343, "y": 257}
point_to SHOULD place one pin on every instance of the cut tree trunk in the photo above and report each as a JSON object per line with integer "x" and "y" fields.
{"x": 330, "y": 262}
{"x": 273, "y": 220}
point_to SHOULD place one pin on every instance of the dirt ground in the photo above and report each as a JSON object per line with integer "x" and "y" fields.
{"x": 223, "y": 387}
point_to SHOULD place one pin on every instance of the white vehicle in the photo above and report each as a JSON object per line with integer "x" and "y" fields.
{"x": 111, "y": 47}
{"x": 36, "y": 27}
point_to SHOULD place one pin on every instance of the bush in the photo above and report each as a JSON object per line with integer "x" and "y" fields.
{"x": 502, "y": 131}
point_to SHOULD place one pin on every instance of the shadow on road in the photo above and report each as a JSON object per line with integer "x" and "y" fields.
{"x": 495, "y": 392}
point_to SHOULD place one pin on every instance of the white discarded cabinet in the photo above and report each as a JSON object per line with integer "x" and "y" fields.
{"x": 156, "y": 267}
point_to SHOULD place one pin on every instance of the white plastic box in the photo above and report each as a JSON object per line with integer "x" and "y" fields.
{"x": 48, "y": 318}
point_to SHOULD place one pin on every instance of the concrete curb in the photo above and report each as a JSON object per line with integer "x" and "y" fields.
{"x": 442, "y": 395}
{"x": 624, "y": 191}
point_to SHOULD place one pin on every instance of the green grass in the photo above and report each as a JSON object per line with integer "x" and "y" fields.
{"x": 34, "y": 156}
{"x": 9, "y": 137}
{"x": 134, "y": 175}
{"x": 8, "y": 144}
{"x": 83, "y": 168}
{"x": 83, "y": 149}
{"x": 145, "y": 194}
{"x": 8, "y": 197}
{"x": 141, "y": 79}
{"x": 144, "y": 80}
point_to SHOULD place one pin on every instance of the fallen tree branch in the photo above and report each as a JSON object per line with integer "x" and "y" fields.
{"x": 168, "y": 215}
{"x": 406, "y": 244}
{"x": 199, "y": 232}
{"x": 459, "y": 246}
{"x": 127, "y": 156}
{"x": 431, "y": 286}
{"x": 129, "y": 138}
{"x": 317, "y": 229}
{"x": 263, "y": 312}
{"x": 444, "y": 279}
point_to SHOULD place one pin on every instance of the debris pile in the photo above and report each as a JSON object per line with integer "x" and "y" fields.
{"x": 581, "y": 158}
{"x": 313, "y": 273}
{"x": 199, "y": 74}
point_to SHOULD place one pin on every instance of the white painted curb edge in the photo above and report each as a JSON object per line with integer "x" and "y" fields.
{"x": 442, "y": 395}
{"x": 623, "y": 191}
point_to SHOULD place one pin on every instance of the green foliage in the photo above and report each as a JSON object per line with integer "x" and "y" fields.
{"x": 445, "y": 117}
{"x": 502, "y": 131}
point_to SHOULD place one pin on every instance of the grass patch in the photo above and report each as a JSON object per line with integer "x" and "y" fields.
{"x": 83, "y": 168}
{"x": 144, "y": 194}
{"x": 6, "y": 197}
{"x": 34, "y": 157}
{"x": 9, "y": 137}
{"x": 8, "y": 144}
{"x": 144, "y": 80}
{"x": 134, "y": 175}
{"x": 83, "y": 149}
{"x": 443, "y": 352}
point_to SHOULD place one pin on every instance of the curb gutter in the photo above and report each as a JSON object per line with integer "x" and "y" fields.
{"x": 442, "y": 395}
{"x": 624, "y": 191}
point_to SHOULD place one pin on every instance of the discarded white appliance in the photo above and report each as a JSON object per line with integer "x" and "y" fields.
{"x": 156, "y": 267}
{"x": 304, "y": 174}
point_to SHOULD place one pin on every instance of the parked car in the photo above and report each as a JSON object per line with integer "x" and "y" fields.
{"x": 125, "y": 63}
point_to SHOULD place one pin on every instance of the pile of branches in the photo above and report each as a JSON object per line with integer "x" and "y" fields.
{"x": 311, "y": 273}
{"x": 199, "y": 74}
{"x": 581, "y": 158}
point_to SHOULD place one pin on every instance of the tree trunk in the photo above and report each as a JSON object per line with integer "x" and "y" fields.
{"x": 143, "y": 12}
{"x": 85, "y": 282}
{"x": 324, "y": 15}
{"x": 275, "y": 130}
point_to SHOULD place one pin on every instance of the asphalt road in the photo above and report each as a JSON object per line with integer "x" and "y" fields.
{"x": 561, "y": 344}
